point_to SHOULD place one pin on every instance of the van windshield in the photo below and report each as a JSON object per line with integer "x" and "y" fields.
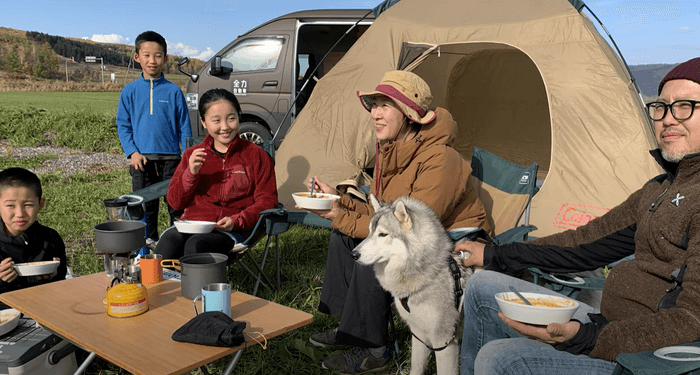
{"x": 254, "y": 54}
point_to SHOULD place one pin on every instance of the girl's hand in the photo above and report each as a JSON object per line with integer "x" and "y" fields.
{"x": 320, "y": 187}
{"x": 197, "y": 160}
{"x": 225, "y": 224}
{"x": 551, "y": 334}
{"x": 7, "y": 270}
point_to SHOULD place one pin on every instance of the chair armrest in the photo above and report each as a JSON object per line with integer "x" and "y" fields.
{"x": 561, "y": 280}
{"x": 279, "y": 210}
{"x": 309, "y": 219}
{"x": 155, "y": 191}
{"x": 650, "y": 364}
{"x": 516, "y": 234}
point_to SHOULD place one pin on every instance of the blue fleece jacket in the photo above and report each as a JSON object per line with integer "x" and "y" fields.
{"x": 152, "y": 117}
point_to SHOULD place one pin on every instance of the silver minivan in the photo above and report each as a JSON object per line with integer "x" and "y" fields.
{"x": 266, "y": 67}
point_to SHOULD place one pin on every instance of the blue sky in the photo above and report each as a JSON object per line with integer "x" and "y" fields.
{"x": 647, "y": 31}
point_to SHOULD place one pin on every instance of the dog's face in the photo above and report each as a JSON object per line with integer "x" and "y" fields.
{"x": 390, "y": 230}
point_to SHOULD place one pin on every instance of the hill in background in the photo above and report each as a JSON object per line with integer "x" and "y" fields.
{"x": 31, "y": 60}
{"x": 25, "y": 54}
{"x": 648, "y": 77}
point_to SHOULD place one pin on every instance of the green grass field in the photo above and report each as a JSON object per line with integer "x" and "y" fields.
{"x": 99, "y": 102}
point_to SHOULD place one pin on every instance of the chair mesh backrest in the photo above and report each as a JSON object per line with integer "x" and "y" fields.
{"x": 504, "y": 188}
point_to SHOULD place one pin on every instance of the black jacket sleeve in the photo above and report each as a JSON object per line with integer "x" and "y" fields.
{"x": 521, "y": 255}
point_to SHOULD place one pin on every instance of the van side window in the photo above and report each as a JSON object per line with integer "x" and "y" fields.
{"x": 254, "y": 54}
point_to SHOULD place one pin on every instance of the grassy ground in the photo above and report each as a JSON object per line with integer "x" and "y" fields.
{"x": 73, "y": 208}
{"x": 98, "y": 102}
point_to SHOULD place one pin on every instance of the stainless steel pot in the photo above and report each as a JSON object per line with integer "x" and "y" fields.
{"x": 120, "y": 236}
{"x": 198, "y": 270}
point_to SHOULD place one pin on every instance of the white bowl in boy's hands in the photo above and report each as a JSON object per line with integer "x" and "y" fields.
{"x": 37, "y": 268}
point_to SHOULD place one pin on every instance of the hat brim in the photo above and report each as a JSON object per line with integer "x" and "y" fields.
{"x": 366, "y": 101}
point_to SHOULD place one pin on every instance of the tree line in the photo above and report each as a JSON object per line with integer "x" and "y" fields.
{"x": 78, "y": 50}
{"x": 37, "y": 55}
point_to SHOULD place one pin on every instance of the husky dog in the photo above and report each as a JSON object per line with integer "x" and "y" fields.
{"x": 413, "y": 260}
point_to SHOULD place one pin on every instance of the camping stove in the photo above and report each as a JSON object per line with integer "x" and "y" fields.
{"x": 126, "y": 296}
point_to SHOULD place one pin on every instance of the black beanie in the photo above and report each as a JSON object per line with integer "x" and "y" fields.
{"x": 689, "y": 70}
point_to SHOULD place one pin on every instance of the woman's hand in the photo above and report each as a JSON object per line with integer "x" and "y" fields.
{"x": 326, "y": 214}
{"x": 225, "y": 224}
{"x": 474, "y": 253}
{"x": 7, "y": 270}
{"x": 197, "y": 160}
{"x": 551, "y": 334}
{"x": 320, "y": 186}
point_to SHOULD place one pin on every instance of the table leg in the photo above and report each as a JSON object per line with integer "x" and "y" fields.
{"x": 232, "y": 364}
{"x": 85, "y": 364}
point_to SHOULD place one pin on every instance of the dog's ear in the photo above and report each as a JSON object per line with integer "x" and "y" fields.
{"x": 401, "y": 213}
{"x": 376, "y": 203}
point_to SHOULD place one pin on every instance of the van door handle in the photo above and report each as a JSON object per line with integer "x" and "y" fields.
{"x": 270, "y": 83}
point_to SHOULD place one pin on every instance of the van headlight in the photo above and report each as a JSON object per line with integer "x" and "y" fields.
{"x": 192, "y": 99}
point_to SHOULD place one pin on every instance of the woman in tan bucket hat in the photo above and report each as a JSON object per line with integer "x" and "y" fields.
{"x": 413, "y": 158}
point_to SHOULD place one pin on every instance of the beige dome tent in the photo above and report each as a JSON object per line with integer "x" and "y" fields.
{"x": 529, "y": 80}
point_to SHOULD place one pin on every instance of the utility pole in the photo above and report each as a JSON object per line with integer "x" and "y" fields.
{"x": 71, "y": 60}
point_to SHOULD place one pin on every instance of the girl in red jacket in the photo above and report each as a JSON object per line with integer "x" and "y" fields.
{"x": 224, "y": 179}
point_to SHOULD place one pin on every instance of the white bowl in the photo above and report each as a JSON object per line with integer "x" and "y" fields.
{"x": 37, "y": 268}
{"x": 8, "y": 320}
{"x": 560, "y": 309}
{"x": 320, "y": 201}
{"x": 194, "y": 226}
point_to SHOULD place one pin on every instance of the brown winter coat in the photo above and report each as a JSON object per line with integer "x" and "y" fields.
{"x": 425, "y": 168}
{"x": 666, "y": 237}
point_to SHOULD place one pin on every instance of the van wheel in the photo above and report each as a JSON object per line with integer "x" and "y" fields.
{"x": 254, "y": 132}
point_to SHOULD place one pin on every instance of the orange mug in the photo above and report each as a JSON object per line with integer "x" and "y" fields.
{"x": 151, "y": 270}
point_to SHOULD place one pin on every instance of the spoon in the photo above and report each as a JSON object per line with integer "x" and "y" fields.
{"x": 512, "y": 289}
{"x": 313, "y": 185}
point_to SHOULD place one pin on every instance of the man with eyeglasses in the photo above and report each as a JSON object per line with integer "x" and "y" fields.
{"x": 649, "y": 302}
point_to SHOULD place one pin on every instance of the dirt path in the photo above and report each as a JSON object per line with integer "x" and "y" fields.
{"x": 68, "y": 160}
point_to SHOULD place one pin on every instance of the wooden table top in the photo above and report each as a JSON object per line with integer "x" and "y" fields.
{"x": 142, "y": 344}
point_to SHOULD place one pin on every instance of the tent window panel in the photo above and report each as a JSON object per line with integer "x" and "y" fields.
{"x": 409, "y": 53}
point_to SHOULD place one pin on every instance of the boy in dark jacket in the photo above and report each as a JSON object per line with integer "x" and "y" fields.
{"x": 23, "y": 239}
{"x": 152, "y": 123}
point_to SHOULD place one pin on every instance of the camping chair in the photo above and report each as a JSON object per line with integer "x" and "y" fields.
{"x": 505, "y": 189}
{"x": 566, "y": 284}
{"x": 270, "y": 224}
{"x": 681, "y": 359}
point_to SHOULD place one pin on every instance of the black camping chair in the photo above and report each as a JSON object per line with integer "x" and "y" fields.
{"x": 270, "y": 224}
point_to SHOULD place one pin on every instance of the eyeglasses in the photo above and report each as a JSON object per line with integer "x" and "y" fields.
{"x": 680, "y": 109}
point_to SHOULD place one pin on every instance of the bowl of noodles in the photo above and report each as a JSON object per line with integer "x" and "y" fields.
{"x": 545, "y": 309}
{"x": 319, "y": 201}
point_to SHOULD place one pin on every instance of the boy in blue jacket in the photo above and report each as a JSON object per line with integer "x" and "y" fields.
{"x": 152, "y": 123}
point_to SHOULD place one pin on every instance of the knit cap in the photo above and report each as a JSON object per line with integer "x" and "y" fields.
{"x": 689, "y": 70}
